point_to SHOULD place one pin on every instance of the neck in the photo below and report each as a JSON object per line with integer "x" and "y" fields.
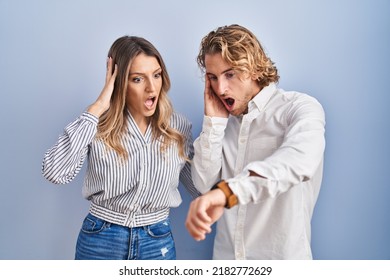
{"x": 141, "y": 121}
{"x": 143, "y": 124}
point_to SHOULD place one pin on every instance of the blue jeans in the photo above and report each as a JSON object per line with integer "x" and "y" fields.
{"x": 100, "y": 240}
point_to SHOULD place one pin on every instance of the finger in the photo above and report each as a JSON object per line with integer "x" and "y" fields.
{"x": 195, "y": 232}
{"x": 198, "y": 222}
{"x": 109, "y": 69}
{"x": 203, "y": 220}
{"x": 207, "y": 88}
{"x": 206, "y": 83}
{"x": 115, "y": 70}
{"x": 113, "y": 77}
{"x": 200, "y": 207}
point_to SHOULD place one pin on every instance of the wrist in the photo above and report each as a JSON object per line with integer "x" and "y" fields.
{"x": 218, "y": 197}
{"x": 96, "y": 110}
{"x": 231, "y": 198}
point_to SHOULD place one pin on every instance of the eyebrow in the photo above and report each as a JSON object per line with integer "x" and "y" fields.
{"x": 140, "y": 73}
{"x": 223, "y": 72}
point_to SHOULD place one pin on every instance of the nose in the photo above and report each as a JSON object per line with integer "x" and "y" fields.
{"x": 150, "y": 86}
{"x": 221, "y": 87}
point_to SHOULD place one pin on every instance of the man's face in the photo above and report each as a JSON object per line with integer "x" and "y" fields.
{"x": 233, "y": 88}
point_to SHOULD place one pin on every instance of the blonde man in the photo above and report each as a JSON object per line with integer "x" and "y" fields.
{"x": 259, "y": 158}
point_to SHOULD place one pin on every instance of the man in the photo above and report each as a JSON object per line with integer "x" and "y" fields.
{"x": 258, "y": 161}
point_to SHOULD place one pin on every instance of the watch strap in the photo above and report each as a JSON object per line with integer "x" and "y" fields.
{"x": 231, "y": 198}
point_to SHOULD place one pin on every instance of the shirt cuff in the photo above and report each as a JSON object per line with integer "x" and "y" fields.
{"x": 214, "y": 124}
{"x": 90, "y": 117}
{"x": 244, "y": 187}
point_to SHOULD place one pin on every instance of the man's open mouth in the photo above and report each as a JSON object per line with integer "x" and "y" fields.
{"x": 229, "y": 102}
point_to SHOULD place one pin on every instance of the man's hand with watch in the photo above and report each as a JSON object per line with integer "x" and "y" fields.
{"x": 231, "y": 198}
{"x": 205, "y": 210}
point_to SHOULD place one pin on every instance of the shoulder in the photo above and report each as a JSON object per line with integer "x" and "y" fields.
{"x": 293, "y": 96}
{"x": 299, "y": 103}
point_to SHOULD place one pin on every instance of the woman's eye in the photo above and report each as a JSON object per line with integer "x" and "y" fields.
{"x": 136, "y": 79}
{"x": 212, "y": 78}
{"x": 157, "y": 75}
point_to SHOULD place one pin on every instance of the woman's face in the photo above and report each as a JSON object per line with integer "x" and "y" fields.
{"x": 144, "y": 87}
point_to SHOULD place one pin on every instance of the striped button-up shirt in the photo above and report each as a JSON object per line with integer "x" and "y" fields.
{"x": 135, "y": 192}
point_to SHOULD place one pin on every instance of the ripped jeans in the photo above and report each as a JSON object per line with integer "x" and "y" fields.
{"x": 100, "y": 240}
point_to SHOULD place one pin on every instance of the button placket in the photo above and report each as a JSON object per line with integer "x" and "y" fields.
{"x": 239, "y": 245}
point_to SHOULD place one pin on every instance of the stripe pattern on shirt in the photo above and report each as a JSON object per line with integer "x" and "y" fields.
{"x": 135, "y": 192}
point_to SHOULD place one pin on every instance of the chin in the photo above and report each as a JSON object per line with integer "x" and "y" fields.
{"x": 238, "y": 112}
{"x": 150, "y": 113}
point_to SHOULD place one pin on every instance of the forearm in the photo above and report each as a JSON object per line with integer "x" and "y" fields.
{"x": 207, "y": 161}
{"x": 286, "y": 168}
{"x": 97, "y": 109}
{"x": 297, "y": 160}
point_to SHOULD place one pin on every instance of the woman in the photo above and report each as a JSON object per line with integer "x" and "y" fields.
{"x": 137, "y": 149}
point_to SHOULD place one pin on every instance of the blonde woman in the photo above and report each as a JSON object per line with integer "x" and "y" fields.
{"x": 137, "y": 149}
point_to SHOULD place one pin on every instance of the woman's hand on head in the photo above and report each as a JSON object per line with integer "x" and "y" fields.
{"x": 102, "y": 103}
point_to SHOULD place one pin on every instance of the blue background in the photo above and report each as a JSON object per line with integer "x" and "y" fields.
{"x": 52, "y": 62}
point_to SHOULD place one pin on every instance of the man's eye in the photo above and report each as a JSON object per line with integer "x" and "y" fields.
{"x": 229, "y": 75}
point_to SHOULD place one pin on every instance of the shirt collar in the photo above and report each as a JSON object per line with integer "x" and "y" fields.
{"x": 262, "y": 98}
{"x": 133, "y": 128}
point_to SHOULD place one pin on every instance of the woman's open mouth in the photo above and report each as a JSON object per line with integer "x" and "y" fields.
{"x": 149, "y": 103}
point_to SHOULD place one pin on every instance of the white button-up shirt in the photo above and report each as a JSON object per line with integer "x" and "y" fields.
{"x": 282, "y": 139}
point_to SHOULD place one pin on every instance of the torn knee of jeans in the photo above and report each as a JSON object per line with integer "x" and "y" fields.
{"x": 164, "y": 251}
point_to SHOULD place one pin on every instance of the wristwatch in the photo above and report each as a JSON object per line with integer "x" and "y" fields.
{"x": 231, "y": 198}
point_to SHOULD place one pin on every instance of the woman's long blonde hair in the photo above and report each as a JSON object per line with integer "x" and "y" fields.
{"x": 112, "y": 124}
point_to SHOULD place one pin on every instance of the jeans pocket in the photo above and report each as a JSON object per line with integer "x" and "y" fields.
{"x": 92, "y": 224}
{"x": 159, "y": 230}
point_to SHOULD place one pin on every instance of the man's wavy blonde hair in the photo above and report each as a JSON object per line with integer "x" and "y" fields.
{"x": 112, "y": 124}
{"x": 241, "y": 49}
